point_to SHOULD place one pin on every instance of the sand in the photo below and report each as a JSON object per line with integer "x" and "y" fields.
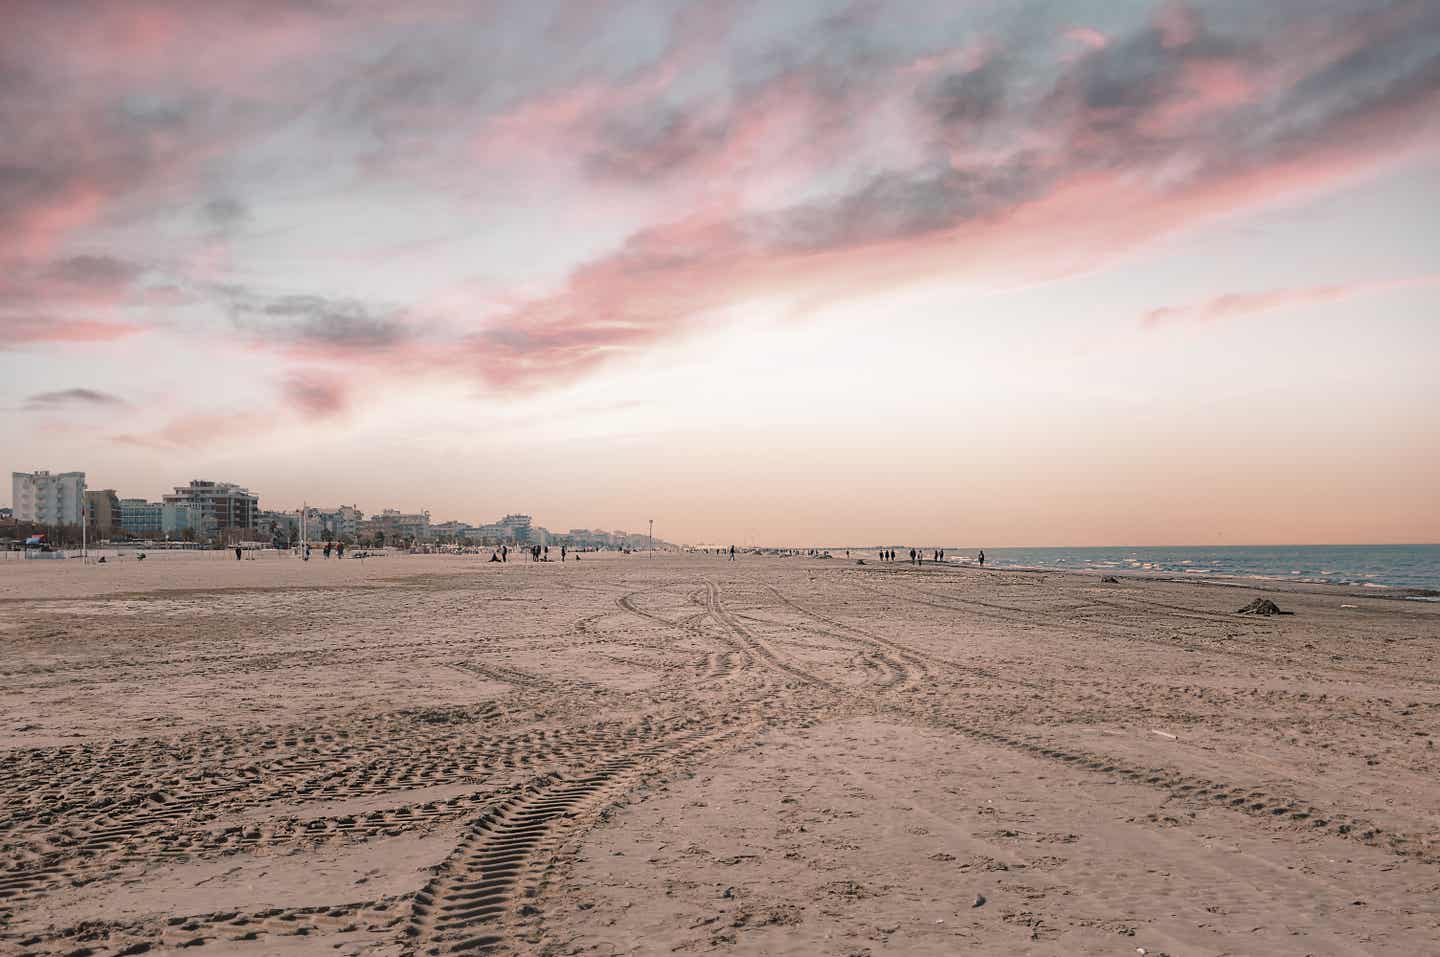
{"x": 421, "y": 754}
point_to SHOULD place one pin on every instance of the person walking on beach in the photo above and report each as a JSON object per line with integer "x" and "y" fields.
{"x": 237, "y": 553}
{"x": 912, "y": 556}
{"x": 339, "y": 549}
{"x": 732, "y": 553}
{"x": 562, "y": 554}
{"x": 982, "y": 558}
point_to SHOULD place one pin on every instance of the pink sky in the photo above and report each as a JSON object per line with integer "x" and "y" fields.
{"x": 1097, "y": 273}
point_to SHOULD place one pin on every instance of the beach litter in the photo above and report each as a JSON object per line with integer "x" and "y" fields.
{"x": 1109, "y": 580}
{"x": 1262, "y": 606}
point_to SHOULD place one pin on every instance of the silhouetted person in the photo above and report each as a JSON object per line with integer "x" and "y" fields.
{"x": 339, "y": 549}
{"x": 237, "y": 553}
{"x": 562, "y": 554}
{"x": 732, "y": 553}
{"x": 982, "y": 558}
{"x": 912, "y": 556}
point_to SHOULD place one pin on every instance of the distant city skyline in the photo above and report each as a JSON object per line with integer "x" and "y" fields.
{"x": 1053, "y": 274}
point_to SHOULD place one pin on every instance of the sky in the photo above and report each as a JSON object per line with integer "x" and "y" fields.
{"x": 1026, "y": 273}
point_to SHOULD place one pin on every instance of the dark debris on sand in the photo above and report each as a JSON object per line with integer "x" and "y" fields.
{"x": 1262, "y": 606}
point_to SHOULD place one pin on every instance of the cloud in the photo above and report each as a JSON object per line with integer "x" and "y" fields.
{"x": 46, "y": 401}
{"x": 804, "y": 155}
{"x": 197, "y": 430}
{"x": 316, "y": 325}
{"x": 102, "y": 271}
{"x": 1234, "y": 304}
{"x": 315, "y": 395}
{"x": 26, "y": 330}
{"x": 1008, "y": 168}
{"x": 224, "y": 212}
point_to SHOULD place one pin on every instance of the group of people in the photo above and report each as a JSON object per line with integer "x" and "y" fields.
{"x": 538, "y": 553}
{"x": 337, "y": 547}
{"x": 917, "y": 556}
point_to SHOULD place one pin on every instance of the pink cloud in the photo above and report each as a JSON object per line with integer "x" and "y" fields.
{"x": 316, "y": 395}
{"x": 36, "y": 330}
{"x": 804, "y": 178}
{"x": 1231, "y": 305}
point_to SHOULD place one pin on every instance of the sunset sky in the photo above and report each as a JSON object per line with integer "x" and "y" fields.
{"x": 987, "y": 273}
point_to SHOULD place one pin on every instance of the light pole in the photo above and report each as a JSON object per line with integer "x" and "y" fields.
{"x": 652, "y": 538}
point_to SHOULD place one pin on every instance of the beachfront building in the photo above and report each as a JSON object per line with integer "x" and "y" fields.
{"x": 176, "y": 518}
{"x": 343, "y": 522}
{"x": 517, "y": 528}
{"x": 46, "y": 498}
{"x": 225, "y": 508}
{"x": 139, "y": 518}
{"x": 396, "y": 526}
{"x": 157, "y": 521}
{"x": 333, "y": 524}
{"x": 103, "y": 506}
{"x": 278, "y": 526}
{"x": 460, "y": 532}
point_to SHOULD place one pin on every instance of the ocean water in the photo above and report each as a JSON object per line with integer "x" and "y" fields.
{"x": 1376, "y": 566}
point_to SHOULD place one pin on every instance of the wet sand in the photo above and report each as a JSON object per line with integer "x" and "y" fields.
{"x": 685, "y": 755}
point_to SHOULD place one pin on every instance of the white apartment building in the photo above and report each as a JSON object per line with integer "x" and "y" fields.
{"x": 48, "y": 499}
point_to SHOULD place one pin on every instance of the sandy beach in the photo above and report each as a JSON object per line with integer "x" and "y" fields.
{"x": 626, "y": 755}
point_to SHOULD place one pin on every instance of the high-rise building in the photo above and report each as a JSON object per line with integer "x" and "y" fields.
{"x": 48, "y": 499}
{"x": 104, "y": 508}
{"x": 223, "y": 505}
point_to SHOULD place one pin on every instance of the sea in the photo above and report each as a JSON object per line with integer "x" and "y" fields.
{"x": 1373, "y": 566}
